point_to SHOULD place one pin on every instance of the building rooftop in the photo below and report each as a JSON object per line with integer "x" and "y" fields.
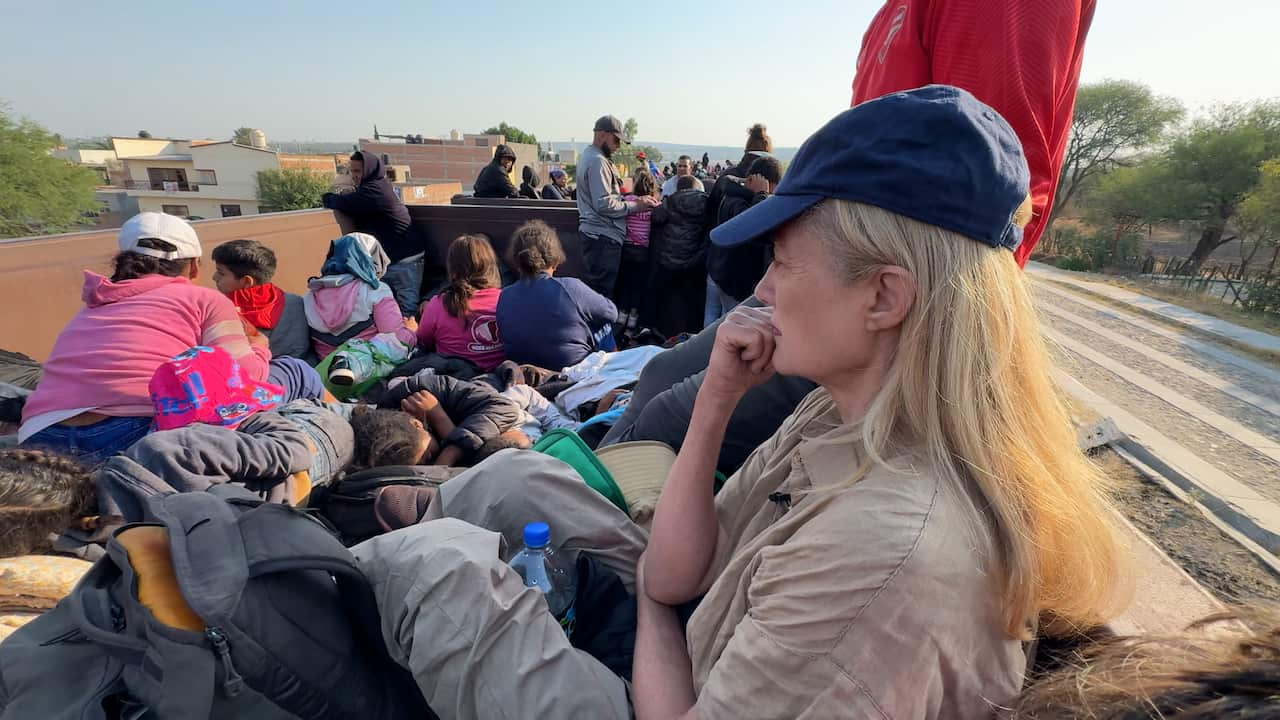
{"x": 174, "y": 157}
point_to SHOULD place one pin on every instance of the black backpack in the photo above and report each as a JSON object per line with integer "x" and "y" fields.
{"x": 291, "y": 628}
{"x": 371, "y": 502}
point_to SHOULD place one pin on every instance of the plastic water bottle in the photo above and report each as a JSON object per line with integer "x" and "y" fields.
{"x": 540, "y": 567}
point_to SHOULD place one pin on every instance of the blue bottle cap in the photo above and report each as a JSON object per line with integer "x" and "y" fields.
{"x": 537, "y": 534}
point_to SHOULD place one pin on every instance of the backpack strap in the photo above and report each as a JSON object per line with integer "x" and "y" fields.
{"x": 207, "y": 549}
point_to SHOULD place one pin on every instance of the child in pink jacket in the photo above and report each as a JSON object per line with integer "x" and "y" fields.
{"x": 354, "y": 315}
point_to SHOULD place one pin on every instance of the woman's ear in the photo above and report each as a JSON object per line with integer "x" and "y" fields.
{"x": 193, "y": 271}
{"x": 895, "y": 295}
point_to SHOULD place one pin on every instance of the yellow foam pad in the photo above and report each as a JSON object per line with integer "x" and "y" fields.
{"x": 148, "y": 550}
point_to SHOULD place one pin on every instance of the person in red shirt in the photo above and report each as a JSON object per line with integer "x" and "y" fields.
{"x": 1021, "y": 57}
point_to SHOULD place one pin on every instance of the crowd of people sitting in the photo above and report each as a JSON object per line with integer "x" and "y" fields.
{"x": 797, "y": 433}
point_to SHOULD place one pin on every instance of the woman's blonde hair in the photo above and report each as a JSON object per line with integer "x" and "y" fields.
{"x": 972, "y": 385}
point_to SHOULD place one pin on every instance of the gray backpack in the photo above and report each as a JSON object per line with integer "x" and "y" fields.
{"x": 291, "y": 628}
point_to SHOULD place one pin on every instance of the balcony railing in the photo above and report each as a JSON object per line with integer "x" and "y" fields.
{"x": 171, "y": 186}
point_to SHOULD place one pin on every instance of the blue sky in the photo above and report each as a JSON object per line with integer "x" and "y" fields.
{"x": 692, "y": 72}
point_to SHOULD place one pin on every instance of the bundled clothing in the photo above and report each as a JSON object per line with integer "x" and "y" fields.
{"x": 529, "y": 187}
{"x": 349, "y": 301}
{"x": 679, "y": 255}
{"x": 478, "y": 412}
{"x": 103, "y": 360}
{"x": 475, "y": 337}
{"x": 493, "y": 181}
{"x": 601, "y": 372}
{"x": 538, "y": 414}
{"x": 279, "y": 315}
{"x": 553, "y": 322}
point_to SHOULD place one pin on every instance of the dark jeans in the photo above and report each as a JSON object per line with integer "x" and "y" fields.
{"x": 604, "y": 257}
{"x": 299, "y": 380}
{"x": 405, "y": 280}
{"x": 92, "y": 444}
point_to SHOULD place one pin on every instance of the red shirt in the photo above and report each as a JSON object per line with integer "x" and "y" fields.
{"x": 1021, "y": 57}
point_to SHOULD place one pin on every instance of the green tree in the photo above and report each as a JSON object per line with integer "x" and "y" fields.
{"x": 98, "y": 143}
{"x": 1214, "y": 165}
{"x": 1259, "y": 216}
{"x": 1114, "y": 120}
{"x": 242, "y": 136}
{"x": 293, "y": 189}
{"x": 626, "y": 155}
{"x": 40, "y": 194}
{"x": 144, "y": 134}
{"x": 1120, "y": 204}
{"x": 512, "y": 134}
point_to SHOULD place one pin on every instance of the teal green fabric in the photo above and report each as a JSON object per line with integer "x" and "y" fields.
{"x": 567, "y": 447}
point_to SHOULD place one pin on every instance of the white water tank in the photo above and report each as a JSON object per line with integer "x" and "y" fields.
{"x": 455, "y": 135}
{"x": 258, "y": 139}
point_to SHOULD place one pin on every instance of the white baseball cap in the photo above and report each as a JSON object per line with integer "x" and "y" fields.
{"x": 159, "y": 226}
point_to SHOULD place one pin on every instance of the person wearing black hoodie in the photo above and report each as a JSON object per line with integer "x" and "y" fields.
{"x": 731, "y": 184}
{"x": 374, "y": 208}
{"x": 494, "y": 180}
{"x": 736, "y": 271}
{"x": 679, "y": 250}
{"x": 529, "y": 188}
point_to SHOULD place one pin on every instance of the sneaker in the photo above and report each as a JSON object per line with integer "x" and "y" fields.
{"x": 340, "y": 372}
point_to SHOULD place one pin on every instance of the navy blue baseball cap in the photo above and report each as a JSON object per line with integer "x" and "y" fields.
{"x": 935, "y": 154}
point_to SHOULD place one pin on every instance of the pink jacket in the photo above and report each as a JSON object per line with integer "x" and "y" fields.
{"x": 333, "y": 308}
{"x": 104, "y": 358}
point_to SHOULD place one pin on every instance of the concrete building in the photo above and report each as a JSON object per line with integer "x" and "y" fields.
{"x": 192, "y": 178}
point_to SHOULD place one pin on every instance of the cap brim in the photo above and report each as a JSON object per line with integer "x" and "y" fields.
{"x": 762, "y": 219}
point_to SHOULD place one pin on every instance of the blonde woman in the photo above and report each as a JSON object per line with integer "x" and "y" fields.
{"x": 884, "y": 554}
{"x": 889, "y": 547}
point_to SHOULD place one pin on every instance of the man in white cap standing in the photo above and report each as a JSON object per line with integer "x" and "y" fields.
{"x": 602, "y": 213}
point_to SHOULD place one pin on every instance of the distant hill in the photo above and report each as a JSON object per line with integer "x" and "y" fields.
{"x": 671, "y": 151}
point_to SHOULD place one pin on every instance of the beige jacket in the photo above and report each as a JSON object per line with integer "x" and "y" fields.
{"x": 875, "y": 595}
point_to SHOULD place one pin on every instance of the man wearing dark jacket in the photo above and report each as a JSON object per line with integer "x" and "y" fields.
{"x": 736, "y": 271}
{"x": 679, "y": 246}
{"x": 494, "y": 181}
{"x": 374, "y": 208}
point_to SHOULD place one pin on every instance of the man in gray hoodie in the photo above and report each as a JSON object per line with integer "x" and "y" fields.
{"x": 602, "y": 212}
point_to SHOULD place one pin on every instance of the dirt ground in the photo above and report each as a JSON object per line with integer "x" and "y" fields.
{"x": 1211, "y": 557}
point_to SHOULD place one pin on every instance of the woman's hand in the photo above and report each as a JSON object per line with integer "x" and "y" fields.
{"x": 742, "y": 356}
{"x": 420, "y": 404}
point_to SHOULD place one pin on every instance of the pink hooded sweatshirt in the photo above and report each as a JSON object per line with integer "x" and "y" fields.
{"x": 335, "y": 303}
{"x": 104, "y": 358}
